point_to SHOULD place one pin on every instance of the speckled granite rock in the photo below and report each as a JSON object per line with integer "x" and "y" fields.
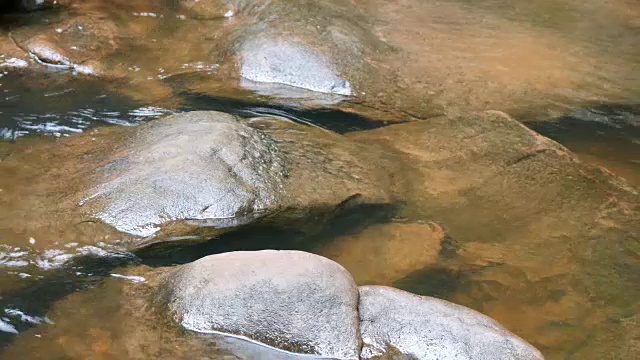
{"x": 400, "y": 325}
{"x": 291, "y": 300}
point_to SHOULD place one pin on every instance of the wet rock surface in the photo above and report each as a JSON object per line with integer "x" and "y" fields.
{"x": 212, "y": 170}
{"x": 504, "y": 199}
{"x": 529, "y": 220}
{"x": 126, "y": 326}
{"x": 398, "y": 325}
{"x": 526, "y": 232}
{"x": 76, "y": 44}
{"x": 277, "y": 61}
{"x": 189, "y": 176}
{"x": 129, "y": 313}
{"x": 327, "y": 54}
{"x": 201, "y": 167}
{"x": 290, "y": 300}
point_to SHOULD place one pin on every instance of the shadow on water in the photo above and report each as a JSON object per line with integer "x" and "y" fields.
{"x": 606, "y": 134}
{"x": 83, "y": 272}
{"x": 55, "y": 105}
{"x": 251, "y": 238}
{"x": 331, "y": 119}
{"x": 435, "y": 282}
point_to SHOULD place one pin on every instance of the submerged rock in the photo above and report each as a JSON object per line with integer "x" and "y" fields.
{"x": 395, "y": 325}
{"x": 290, "y": 300}
{"x": 385, "y": 253}
{"x": 77, "y": 44}
{"x": 207, "y": 10}
{"x": 212, "y": 170}
{"x": 530, "y": 221}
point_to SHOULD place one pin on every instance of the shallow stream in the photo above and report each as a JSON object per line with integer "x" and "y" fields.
{"x": 62, "y": 300}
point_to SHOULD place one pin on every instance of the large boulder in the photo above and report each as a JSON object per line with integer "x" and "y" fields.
{"x": 188, "y": 176}
{"x": 291, "y": 300}
{"x": 117, "y": 322}
{"x": 196, "y": 166}
{"x": 283, "y": 62}
{"x": 294, "y": 49}
{"x": 210, "y": 170}
{"x": 273, "y": 305}
{"x": 398, "y": 325}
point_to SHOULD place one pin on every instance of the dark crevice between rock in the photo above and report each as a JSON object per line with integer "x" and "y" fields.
{"x": 84, "y": 272}
{"x": 330, "y": 119}
{"x": 605, "y": 134}
{"x": 265, "y": 235}
{"x": 603, "y": 120}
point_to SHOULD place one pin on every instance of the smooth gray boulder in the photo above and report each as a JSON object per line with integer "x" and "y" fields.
{"x": 316, "y": 46}
{"x": 285, "y": 62}
{"x": 290, "y": 300}
{"x": 398, "y": 325}
{"x": 196, "y": 173}
{"x": 201, "y": 167}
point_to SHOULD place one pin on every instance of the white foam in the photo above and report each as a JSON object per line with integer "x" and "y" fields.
{"x": 133, "y": 279}
{"x": 36, "y": 320}
{"x": 13, "y": 257}
{"x": 8, "y": 328}
{"x": 14, "y": 63}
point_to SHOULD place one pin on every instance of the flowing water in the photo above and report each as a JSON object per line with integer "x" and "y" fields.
{"x": 567, "y": 69}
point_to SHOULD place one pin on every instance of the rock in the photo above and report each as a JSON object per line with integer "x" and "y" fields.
{"x": 173, "y": 179}
{"x": 537, "y": 230}
{"x": 12, "y": 63}
{"x": 395, "y": 325}
{"x": 11, "y": 56}
{"x": 294, "y": 301}
{"x": 326, "y": 54}
{"x": 76, "y": 44}
{"x": 195, "y": 166}
{"x": 283, "y": 62}
{"x": 117, "y": 322}
{"x": 385, "y": 253}
{"x": 208, "y": 170}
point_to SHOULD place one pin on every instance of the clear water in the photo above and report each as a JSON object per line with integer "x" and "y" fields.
{"x": 567, "y": 69}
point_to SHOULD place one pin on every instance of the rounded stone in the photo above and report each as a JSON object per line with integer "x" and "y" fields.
{"x": 397, "y": 324}
{"x": 205, "y": 168}
{"x": 290, "y": 300}
{"x": 285, "y": 62}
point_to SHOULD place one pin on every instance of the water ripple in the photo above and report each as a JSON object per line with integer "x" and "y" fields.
{"x": 76, "y": 121}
